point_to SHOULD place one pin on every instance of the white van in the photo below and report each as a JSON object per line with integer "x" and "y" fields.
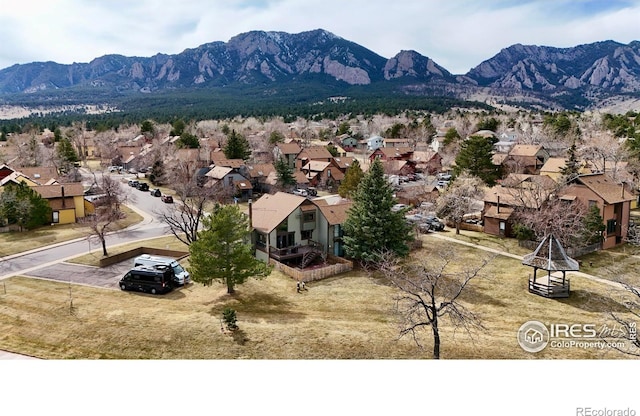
{"x": 182, "y": 276}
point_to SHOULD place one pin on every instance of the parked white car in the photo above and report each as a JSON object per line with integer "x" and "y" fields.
{"x": 301, "y": 192}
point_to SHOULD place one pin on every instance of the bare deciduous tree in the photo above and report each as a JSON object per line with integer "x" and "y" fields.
{"x": 429, "y": 294}
{"x": 622, "y": 334}
{"x": 107, "y": 209}
{"x": 563, "y": 219}
{"x": 185, "y": 217}
{"x": 459, "y": 199}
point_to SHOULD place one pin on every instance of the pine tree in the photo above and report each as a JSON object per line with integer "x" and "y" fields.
{"x": 476, "y": 158}
{"x": 371, "y": 227}
{"x": 222, "y": 251}
{"x": 351, "y": 180}
{"x": 237, "y": 147}
{"x": 67, "y": 156}
{"x": 571, "y": 169}
{"x": 593, "y": 226}
{"x": 284, "y": 173}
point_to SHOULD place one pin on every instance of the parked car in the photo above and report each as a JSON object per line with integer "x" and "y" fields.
{"x": 399, "y": 207}
{"x": 443, "y": 176}
{"x": 155, "y": 192}
{"x": 115, "y": 169}
{"x": 434, "y": 223}
{"x": 300, "y": 192}
{"x": 168, "y": 199}
{"x": 143, "y": 186}
{"x": 442, "y": 184}
{"x": 134, "y": 183}
{"x": 312, "y": 191}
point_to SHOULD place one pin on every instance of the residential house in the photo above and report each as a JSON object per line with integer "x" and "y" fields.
{"x": 516, "y": 191}
{"x": 284, "y": 227}
{"x": 334, "y": 211}
{"x": 390, "y": 153}
{"x": 427, "y": 161}
{"x": 525, "y": 158}
{"x": 315, "y": 153}
{"x": 287, "y": 151}
{"x": 262, "y": 176}
{"x": 611, "y": 198}
{"x": 554, "y": 165}
{"x": 224, "y": 176}
{"x": 295, "y": 230}
{"x": 66, "y": 201}
{"x": 342, "y": 163}
{"x": 395, "y": 143}
{"x": 347, "y": 142}
{"x": 372, "y": 143}
{"x": 322, "y": 173}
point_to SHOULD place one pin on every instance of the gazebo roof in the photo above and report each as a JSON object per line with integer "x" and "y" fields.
{"x": 550, "y": 255}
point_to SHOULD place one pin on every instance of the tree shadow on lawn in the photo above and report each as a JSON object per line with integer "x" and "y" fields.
{"x": 255, "y": 306}
{"x": 593, "y": 302}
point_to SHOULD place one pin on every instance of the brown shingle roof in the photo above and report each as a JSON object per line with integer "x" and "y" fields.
{"x": 334, "y": 213}
{"x": 606, "y": 188}
{"x": 55, "y": 191}
{"x": 315, "y": 152}
{"x": 289, "y": 148}
{"x": 40, "y": 174}
{"x": 525, "y": 150}
{"x": 270, "y": 210}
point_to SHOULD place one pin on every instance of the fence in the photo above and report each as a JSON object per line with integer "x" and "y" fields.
{"x": 340, "y": 266}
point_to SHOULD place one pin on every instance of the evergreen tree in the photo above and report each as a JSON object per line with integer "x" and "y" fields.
{"x": 351, "y": 180}
{"x": 276, "y": 137}
{"x": 593, "y": 226}
{"x": 450, "y": 136}
{"x": 475, "y": 157}
{"x": 67, "y": 156}
{"x": 237, "y": 147}
{"x": 284, "y": 173}
{"x": 147, "y": 128}
{"x": 177, "y": 128}
{"x": 157, "y": 174}
{"x": 21, "y": 205}
{"x": 371, "y": 227}
{"x": 223, "y": 251}
{"x": 188, "y": 141}
{"x": 571, "y": 168}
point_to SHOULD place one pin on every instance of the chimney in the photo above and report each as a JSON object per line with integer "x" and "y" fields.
{"x": 250, "y": 213}
{"x": 62, "y": 192}
{"x": 498, "y": 206}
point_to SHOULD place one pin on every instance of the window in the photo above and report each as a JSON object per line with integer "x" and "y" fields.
{"x": 592, "y": 203}
{"x": 309, "y": 217}
{"x": 306, "y": 234}
{"x": 261, "y": 240}
{"x": 611, "y": 226}
{"x": 56, "y": 216}
{"x": 503, "y": 227}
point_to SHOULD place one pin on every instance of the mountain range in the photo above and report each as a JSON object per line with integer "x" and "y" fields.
{"x": 578, "y": 77}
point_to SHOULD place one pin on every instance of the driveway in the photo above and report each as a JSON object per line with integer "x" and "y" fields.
{"x": 106, "y": 277}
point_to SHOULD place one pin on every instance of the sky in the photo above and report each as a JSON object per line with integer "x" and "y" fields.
{"x": 456, "y": 34}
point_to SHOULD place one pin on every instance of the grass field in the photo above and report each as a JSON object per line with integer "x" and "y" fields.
{"x": 17, "y": 242}
{"x": 344, "y": 317}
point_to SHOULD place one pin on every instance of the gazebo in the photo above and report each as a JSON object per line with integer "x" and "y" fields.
{"x": 550, "y": 256}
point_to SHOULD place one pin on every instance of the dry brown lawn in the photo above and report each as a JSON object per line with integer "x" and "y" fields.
{"x": 17, "y": 242}
{"x": 344, "y": 317}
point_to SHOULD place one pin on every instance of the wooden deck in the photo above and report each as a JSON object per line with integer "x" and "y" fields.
{"x": 550, "y": 286}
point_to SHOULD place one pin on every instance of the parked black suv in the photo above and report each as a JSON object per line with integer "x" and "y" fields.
{"x": 143, "y": 186}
